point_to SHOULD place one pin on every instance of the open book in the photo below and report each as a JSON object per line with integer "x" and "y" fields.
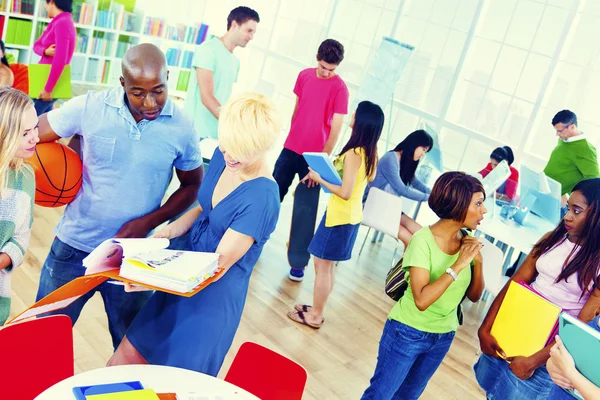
{"x": 148, "y": 261}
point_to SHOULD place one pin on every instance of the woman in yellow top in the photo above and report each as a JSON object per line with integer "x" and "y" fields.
{"x": 336, "y": 235}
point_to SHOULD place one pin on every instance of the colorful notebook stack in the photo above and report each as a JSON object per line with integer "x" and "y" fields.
{"x": 18, "y": 31}
{"x": 120, "y": 391}
{"x": 525, "y": 321}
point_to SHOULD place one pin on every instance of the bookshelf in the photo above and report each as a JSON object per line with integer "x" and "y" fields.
{"x": 105, "y": 31}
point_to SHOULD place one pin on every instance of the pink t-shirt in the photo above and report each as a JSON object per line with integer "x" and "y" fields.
{"x": 565, "y": 294}
{"x": 318, "y": 100}
{"x": 60, "y": 32}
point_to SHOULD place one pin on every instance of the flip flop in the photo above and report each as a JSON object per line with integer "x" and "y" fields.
{"x": 302, "y": 320}
{"x": 302, "y": 307}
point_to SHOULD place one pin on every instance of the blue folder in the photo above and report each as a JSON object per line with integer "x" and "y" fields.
{"x": 321, "y": 163}
{"x": 81, "y": 392}
{"x": 583, "y": 343}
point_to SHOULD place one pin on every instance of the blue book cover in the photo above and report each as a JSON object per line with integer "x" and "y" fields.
{"x": 321, "y": 163}
{"x": 81, "y": 392}
{"x": 581, "y": 340}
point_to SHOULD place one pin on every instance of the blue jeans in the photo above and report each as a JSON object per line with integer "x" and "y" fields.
{"x": 63, "y": 264}
{"x": 42, "y": 107}
{"x": 407, "y": 359}
{"x": 497, "y": 380}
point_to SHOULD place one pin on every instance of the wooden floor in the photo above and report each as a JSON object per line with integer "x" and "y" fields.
{"x": 340, "y": 357}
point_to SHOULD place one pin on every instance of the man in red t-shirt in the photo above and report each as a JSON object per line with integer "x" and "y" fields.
{"x": 320, "y": 107}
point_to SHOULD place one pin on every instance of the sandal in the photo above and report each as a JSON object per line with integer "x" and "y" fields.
{"x": 298, "y": 317}
{"x": 302, "y": 307}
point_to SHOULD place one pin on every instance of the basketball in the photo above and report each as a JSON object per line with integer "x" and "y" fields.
{"x": 57, "y": 174}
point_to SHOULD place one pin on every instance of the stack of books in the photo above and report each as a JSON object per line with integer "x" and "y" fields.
{"x": 23, "y": 6}
{"x": 183, "y": 81}
{"x": 149, "y": 262}
{"x": 18, "y": 31}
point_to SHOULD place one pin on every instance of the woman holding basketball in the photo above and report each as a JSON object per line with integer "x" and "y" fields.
{"x": 18, "y": 137}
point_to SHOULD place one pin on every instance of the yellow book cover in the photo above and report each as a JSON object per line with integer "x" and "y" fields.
{"x": 145, "y": 394}
{"x": 524, "y": 321}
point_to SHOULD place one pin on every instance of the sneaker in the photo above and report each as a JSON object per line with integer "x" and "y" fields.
{"x": 296, "y": 274}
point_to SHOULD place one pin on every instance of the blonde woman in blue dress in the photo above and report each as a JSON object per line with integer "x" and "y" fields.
{"x": 237, "y": 212}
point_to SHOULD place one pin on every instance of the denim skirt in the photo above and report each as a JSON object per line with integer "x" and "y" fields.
{"x": 333, "y": 243}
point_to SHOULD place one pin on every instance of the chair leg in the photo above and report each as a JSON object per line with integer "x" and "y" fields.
{"x": 364, "y": 241}
{"x": 375, "y": 234}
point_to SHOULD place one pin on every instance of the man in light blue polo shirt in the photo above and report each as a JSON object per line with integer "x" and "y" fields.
{"x": 132, "y": 137}
{"x": 216, "y": 70}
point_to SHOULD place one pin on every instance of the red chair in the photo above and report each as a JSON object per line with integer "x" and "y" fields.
{"x": 36, "y": 354}
{"x": 266, "y": 374}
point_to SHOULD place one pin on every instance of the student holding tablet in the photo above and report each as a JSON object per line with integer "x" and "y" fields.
{"x": 336, "y": 234}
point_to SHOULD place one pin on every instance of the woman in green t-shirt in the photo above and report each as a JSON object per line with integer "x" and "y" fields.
{"x": 442, "y": 267}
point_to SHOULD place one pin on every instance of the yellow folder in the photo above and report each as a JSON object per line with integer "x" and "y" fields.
{"x": 524, "y": 321}
{"x": 38, "y": 75}
{"x": 145, "y": 394}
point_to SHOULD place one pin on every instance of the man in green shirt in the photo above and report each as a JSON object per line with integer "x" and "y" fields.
{"x": 216, "y": 70}
{"x": 574, "y": 158}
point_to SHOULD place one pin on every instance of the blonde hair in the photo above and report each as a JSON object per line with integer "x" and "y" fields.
{"x": 249, "y": 124}
{"x": 13, "y": 104}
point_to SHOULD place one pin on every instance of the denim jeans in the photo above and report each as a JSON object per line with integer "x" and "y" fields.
{"x": 497, "y": 380}
{"x": 63, "y": 264}
{"x": 42, "y": 107}
{"x": 407, "y": 359}
{"x": 288, "y": 164}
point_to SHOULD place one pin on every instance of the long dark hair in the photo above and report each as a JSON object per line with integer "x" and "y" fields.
{"x": 3, "y": 59}
{"x": 586, "y": 262}
{"x": 503, "y": 153}
{"x": 408, "y": 165}
{"x": 368, "y": 124}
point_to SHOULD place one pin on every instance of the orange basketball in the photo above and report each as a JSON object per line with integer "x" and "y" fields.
{"x": 57, "y": 174}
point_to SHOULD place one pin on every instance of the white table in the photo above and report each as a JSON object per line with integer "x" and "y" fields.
{"x": 159, "y": 378}
{"x": 517, "y": 237}
{"x": 520, "y": 237}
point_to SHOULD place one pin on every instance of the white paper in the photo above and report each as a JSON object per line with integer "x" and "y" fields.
{"x": 46, "y": 308}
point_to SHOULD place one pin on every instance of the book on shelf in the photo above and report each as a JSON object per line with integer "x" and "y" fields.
{"x": 23, "y": 6}
{"x": 149, "y": 262}
{"x": 82, "y": 13}
{"x": 154, "y": 26}
{"x": 183, "y": 81}
{"x": 18, "y": 32}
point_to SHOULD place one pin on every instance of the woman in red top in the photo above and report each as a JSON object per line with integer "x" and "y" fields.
{"x": 508, "y": 190}
{"x": 56, "y": 46}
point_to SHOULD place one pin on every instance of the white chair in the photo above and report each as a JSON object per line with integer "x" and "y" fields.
{"x": 493, "y": 259}
{"x": 382, "y": 212}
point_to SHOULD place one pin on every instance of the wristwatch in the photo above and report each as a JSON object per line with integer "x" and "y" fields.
{"x": 451, "y": 272}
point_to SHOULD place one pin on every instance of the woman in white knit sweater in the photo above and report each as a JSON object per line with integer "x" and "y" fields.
{"x": 18, "y": 137}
